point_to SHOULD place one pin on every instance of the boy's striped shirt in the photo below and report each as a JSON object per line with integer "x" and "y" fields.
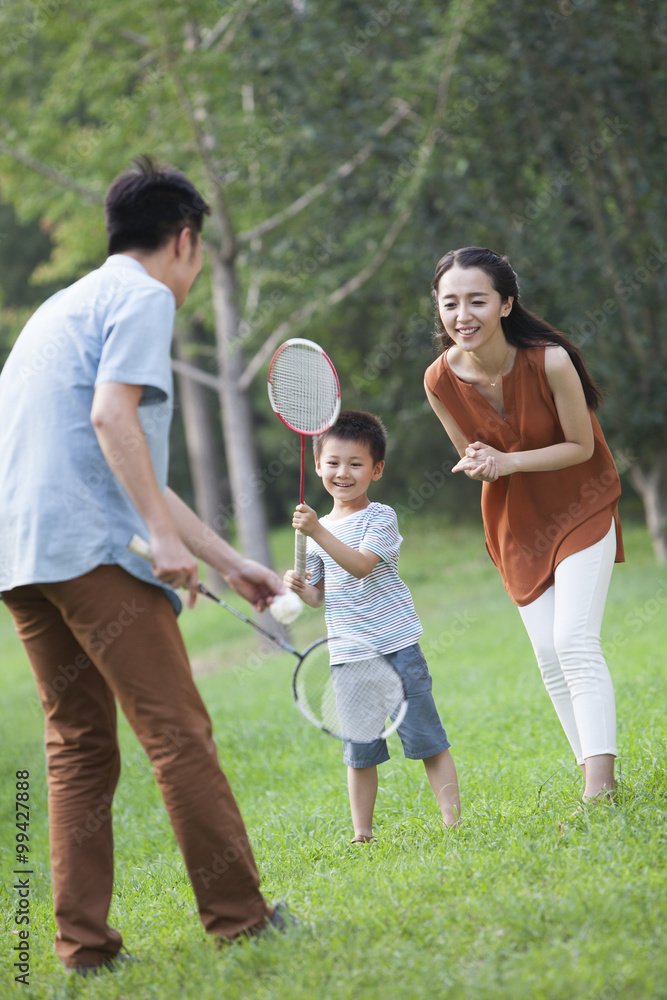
{"x": 379, "y": 608}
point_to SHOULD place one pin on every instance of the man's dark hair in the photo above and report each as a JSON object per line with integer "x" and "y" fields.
{"x": 356, "y": 425}
{"x": 149, "y": 204}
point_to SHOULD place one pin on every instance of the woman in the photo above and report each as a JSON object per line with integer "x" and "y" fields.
{"x": 514, "y": 396}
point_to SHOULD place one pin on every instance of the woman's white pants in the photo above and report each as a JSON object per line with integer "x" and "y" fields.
{"x": 564, "y": 627}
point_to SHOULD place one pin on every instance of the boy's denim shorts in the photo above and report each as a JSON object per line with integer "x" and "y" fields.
{"x": 421, "y": 732}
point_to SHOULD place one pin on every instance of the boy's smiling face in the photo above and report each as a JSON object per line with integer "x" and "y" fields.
{"x": 347, "y": 469}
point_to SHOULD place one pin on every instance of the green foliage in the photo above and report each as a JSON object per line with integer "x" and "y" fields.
{"x": 585, "y": 198}
{"x": 505, "y": 909}
{"x": 549, "y": 149}
{"x": 22, "y": 249}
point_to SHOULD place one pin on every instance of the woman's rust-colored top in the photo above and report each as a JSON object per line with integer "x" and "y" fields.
{"x": 532, "y": 520}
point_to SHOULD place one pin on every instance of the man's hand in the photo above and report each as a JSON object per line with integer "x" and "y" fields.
{"x": 257, "y": 583}
{"x": 174, "y": 564}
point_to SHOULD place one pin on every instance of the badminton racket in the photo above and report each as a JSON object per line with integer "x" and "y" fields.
{"x": 304, "y": 391}
{"x": 341, "y": 684}
{"x": 361, "y": 700}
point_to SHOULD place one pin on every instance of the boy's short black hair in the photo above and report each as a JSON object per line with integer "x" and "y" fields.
{"x": 356, "y": 425}
{"x": 149, "y": 204}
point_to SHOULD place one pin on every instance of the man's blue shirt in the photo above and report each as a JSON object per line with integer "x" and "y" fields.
{"x": 62, "y": 510}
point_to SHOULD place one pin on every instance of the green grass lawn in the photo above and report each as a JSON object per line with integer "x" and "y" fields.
{"x": 506, "y": 907}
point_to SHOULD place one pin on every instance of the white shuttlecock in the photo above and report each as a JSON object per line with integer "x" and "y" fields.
{"x": 286, "y": 607}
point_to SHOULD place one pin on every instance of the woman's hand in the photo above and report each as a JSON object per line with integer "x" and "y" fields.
{"x": 481, "y": 462}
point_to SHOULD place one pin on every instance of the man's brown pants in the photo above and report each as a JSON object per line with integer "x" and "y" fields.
{"x": 101, "y": 637}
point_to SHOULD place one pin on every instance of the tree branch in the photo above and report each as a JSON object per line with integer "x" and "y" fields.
{"x": 343, "y": 170}
{"x": 390, "y": 237}
{"x": 210, "y": 38}
{"x": 53, "y": 175}
{"x": 170, "y": 69}
{"x": 186, "y": 368}
{"x": 299, "y": 317}
{"x": 411, "y": 190}
{"x": 133, "y": 36}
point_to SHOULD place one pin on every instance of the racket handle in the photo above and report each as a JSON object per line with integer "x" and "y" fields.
{"x": 139, "y": 546}
{"x": 300, "y": 553}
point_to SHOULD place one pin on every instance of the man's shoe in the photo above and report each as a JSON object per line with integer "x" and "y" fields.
{"x": 111, "y": 965}
{"x": 282, "y": 920}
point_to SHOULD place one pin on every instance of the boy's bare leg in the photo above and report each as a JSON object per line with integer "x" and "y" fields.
{"x": 441, "y": 773}
{"x": 362, "y": 784}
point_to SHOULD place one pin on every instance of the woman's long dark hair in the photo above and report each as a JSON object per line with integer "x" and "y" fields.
{"x": 521, "y": 328}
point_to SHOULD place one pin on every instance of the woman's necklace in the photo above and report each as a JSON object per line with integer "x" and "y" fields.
{"x": 493, "y": 384}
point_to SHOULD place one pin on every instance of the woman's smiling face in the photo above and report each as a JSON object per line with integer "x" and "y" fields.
{"x": 470, "y": 307}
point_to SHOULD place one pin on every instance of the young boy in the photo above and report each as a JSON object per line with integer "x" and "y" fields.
{"x": 355, "y": 550}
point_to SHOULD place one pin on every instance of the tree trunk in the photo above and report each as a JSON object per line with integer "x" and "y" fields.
{"x": 202, "y": 447}
{"x": 650, "y": 481}
{"x": 247, "y": 507}
{"x": 200, "y": 439}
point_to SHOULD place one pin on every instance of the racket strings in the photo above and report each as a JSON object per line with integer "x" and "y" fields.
{"x": 357, "y": 701}
{"x": 304, "y": 389}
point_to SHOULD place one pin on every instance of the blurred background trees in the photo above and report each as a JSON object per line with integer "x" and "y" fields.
{"x": 344, "y": 148}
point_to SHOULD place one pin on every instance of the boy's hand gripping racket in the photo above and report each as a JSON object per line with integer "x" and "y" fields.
{"x": 305, "y": 393}
{"x": 363, "y": 700}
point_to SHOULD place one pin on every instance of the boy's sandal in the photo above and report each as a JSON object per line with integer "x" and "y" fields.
{"x": 361, "y": 838}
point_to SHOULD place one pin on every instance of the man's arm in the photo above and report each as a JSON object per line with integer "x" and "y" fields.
{"x": 175, "y": 531}
{"x": 124, "y": 446}
{"x": 257, "y": 583}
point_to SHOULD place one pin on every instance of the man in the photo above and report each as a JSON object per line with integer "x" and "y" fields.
{"x": 85, "y": 409}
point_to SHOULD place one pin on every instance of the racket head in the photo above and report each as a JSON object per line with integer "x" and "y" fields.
{"x": 361, "y": 700}
{"x": 303, "y": 386}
